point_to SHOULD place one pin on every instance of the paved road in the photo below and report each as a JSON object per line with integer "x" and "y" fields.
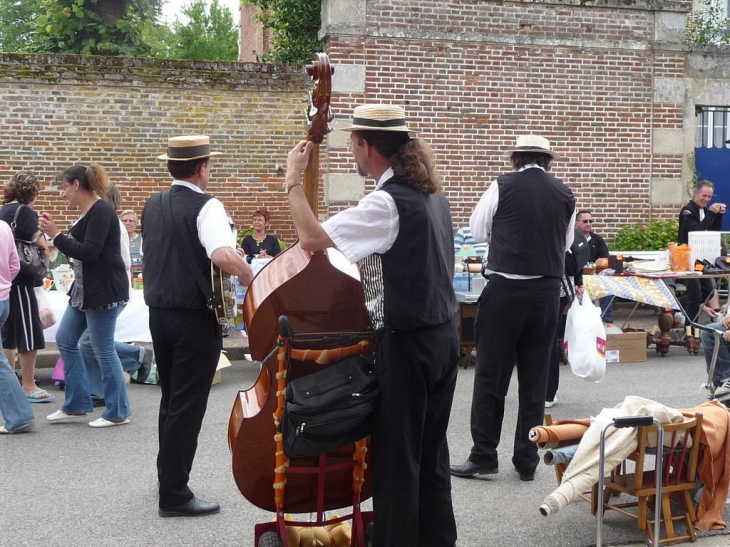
{"x": 69, "y": 484}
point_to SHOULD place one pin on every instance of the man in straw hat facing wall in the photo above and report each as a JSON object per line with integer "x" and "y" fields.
{"x": 185, "y": 333}
{"x": 402, "y": 236}
{"x": 527, "y": 218}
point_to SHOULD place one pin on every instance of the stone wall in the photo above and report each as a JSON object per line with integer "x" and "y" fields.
{"x": 119, "y": 112}
{"x": 604, "y": 81}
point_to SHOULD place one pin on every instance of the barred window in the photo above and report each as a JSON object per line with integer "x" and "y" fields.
{"x": 713, "y": 127}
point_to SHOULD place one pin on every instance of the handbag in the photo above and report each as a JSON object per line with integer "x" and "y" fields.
{"x": 585, "y": 340}
{"x": 30, "y": 255}
{"x": 48, "y": 318}
{"x": 329, "y": 409}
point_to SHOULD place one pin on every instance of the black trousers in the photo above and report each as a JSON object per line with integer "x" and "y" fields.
{"x": 410, "y": 455}
{"x": 515, "y": 325}
{"x": 187, "y": 346}
{"x": 554, "y": 368}
{"x": 698, "y": 290}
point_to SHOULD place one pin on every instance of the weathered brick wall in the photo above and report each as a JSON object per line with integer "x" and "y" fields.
{"x": 61, "y": 110}
{"x": 474, "y": 74}
{"x": 606, "y": 81}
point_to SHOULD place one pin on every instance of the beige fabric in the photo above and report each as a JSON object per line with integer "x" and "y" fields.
{"x": 582, "y": 472}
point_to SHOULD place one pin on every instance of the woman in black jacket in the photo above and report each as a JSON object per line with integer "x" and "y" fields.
{"x": 97, "y": 296}
{"x": 23, "y": 332}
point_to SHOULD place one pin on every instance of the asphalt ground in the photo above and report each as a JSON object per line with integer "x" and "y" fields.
{"x": 69, "y": 484}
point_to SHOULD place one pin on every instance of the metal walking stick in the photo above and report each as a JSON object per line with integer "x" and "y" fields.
{"x": 632, "y": 421}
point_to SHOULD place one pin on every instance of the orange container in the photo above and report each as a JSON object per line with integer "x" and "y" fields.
{"x": 680, "y": 258}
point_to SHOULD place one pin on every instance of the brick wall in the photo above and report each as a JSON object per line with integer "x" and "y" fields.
{"x": 606, "y": 81}
{"x": 474, "y": 74}
{"x": 61, "y": 110}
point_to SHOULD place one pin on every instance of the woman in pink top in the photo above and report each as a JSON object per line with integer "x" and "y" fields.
{"x": 14, "y": 406}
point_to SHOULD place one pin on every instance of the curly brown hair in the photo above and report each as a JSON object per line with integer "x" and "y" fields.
{"x": 411, "y": 159}
{"x": 24, "y": 187}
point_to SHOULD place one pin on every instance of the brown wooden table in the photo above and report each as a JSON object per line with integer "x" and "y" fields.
{"x": 664, "y": 340}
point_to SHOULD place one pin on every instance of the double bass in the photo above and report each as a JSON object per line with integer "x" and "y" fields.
{"x": 318, "y": 292}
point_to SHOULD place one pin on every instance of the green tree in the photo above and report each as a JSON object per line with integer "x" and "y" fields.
{"x": 207, "y": 36}
{"x": 94, "y": 27}
{"x": 17, "y": 24}
{"x": 294, "y": 25}
{"x": 709, "y": 24}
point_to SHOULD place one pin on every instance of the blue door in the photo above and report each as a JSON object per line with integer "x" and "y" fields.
{"x": 713, "y": 164}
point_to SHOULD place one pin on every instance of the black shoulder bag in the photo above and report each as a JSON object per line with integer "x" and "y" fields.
{"x": 329, "y": 409}
{"x": 29, "y": 254}
{"x": 212, "y": 300}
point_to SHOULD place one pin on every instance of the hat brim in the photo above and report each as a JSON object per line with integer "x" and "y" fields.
{"x": 550, "y": 153}
{"x": 396, "y": 129}
{"x": 168, "y": 158}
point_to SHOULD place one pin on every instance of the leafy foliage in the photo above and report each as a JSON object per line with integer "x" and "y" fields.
{"x": 654, "y": 236}
{"x": 208, "y": 36}
{"x": 294, "y": 25}
{"x": 17, "y": 24}
{"x": 709, "y": 24}
{"x": 92, "y": 27}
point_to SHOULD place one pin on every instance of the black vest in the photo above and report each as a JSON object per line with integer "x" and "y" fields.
{"x": 530, "y": 224}
{"x": 167, "y": 279}
{"x": 415, "y": 277}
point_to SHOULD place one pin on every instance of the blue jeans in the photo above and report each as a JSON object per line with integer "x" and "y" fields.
{"x": 14, "y": 406}
{"x": 722, "y": 366}
{"x": 101, "y": 325}
{"x": 129, "y": 355}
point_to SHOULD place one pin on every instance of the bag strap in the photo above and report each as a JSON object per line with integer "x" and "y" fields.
{"x": 14, "y": 223}
{"x": 212, "y": 300}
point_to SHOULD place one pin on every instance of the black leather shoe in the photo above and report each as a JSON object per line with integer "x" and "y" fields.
{"x": 470, "y": 469}
{"x": 193, "y": 508}
{"x": 527, "y": 477}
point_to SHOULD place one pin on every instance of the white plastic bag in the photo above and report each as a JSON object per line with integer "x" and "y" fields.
{"x": 48, "y": 318}
{"x": 585, "y": 340}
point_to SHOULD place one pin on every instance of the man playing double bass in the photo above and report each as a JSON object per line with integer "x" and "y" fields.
{"x": 186, "y": 335}
{"x": 402, "y": 236}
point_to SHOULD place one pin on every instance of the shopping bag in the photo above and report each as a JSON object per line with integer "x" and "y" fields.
{"x": 584, "y": 342}
{"x": 48, "y": 318}
{"x": 58, "y": 374}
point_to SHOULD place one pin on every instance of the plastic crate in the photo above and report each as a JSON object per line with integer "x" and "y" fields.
{"x": 705, "y": 246}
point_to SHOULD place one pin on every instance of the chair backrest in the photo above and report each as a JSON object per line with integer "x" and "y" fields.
{"x": 681, "y": 451}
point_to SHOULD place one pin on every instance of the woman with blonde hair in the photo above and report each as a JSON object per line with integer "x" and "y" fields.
{"x": 97, "y": 296}
{"x": 23, "y": 332}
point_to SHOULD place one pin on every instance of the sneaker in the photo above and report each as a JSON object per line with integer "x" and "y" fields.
{"x": 145, "y": 367}
{"x": 723, "y": 390}
{"x": 101, "y": 422}
{"x": 550, "y": 404}
{"x": 25, "y": 429}
{"x": 61, "y": 416}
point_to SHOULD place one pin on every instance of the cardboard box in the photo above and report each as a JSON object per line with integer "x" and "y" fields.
{"x": 627, "y": 347}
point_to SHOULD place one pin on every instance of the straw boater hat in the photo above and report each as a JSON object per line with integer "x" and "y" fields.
{"x": 534, "y": 144}
{"x": 379, "y": 117}
{"x": 189, "y": 147}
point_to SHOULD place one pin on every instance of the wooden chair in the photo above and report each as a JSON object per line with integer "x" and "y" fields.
{"x": 678, "y": 474}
